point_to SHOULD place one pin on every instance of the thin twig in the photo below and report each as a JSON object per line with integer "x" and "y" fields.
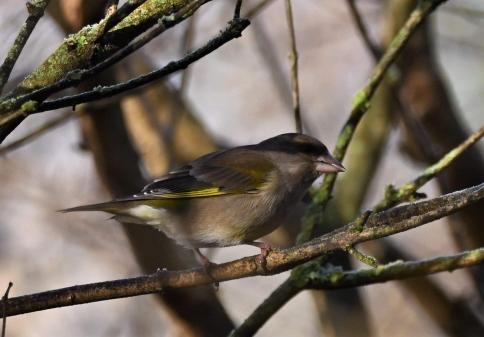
{"x": 366, "y": 259}
{"x": 50, "y": 125}
{"x": 293, "y": 58}
{"x": 408, "y": 114}
{"x": 4, "y": 308}
{"x": 36, "y": 10}
{"x": 238, "y": 7}
{"x": 379, "y": 225}
{"x": 233, "y": 31}
{"x": 361, "y": 104}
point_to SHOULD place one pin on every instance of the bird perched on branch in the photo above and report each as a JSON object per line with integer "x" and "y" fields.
{"x": 228, "y": 197}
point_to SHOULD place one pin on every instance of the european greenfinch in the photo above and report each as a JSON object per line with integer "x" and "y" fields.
{"x": 228, "y": 197}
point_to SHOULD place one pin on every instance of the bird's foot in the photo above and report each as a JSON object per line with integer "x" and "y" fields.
{"x": 207, "y": 266}
{"x": 264, "y": 250}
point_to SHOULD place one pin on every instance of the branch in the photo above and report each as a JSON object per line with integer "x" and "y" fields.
{"x": 293, "y": 58}
{"x": 4, "y": 308}
{"x": 238, "y": 7}
{"x": 407, "y": 112}
{"x": 281, "y": 295}
{"x": 233, "y": 31}
{"x": 331, "y": 280}
{"x": 317, "y": 277}
{"x": 90, "y": 45}
{"x": 379, "y": 225}
{"x": 76, "y": 77}
{"x": 361, "y": 104}
{"x": 36, "y": 10}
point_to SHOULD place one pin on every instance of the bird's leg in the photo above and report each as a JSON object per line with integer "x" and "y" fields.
{"x": 264, "y": 250}
{"x": 207, "y": 265}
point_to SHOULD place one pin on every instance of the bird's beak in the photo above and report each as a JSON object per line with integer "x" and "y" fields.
{"x": 328, "y": 163}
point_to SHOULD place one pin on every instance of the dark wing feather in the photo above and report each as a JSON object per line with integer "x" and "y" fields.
{"x": 218, "y": 173}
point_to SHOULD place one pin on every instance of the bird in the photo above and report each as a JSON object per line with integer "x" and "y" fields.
{"x": 228, "y": 197}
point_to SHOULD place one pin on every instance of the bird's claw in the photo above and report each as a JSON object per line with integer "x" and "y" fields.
{"x": 207, "y": 266}
{"x": 264, "y": 251}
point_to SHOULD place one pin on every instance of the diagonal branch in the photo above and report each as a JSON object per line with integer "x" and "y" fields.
{"x": 383, "y": 224}
{"x": 36, "y": 10}
{"x": 90, "y": 45}
{"x": 317, "y": 277}
{"x": 76, "y": 77}
{"x": 361, "y": 104}
{"x": 233, "y": 31}
{"x": 407, "y": 112}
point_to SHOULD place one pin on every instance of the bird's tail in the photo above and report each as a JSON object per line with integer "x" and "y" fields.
{"x": 110, "y": 207}
{"x": 142, "y": 212}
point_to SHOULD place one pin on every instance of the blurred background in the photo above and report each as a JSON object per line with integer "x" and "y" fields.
{"x": 241, "y": 94}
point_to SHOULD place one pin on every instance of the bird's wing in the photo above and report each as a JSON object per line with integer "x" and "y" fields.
{"x": 220, "y": 173}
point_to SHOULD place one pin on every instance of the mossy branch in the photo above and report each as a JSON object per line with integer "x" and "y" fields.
{"x": 317, "y": 277}
{"x": 236, "y": 26}
{"x": 360, "y": 105}
{"x": 379, "y": 225}
{"x": 235, "y": 29}
{"x": 77, "y": 76}
{"x": 88, "y": 47}
{"x": 331, "y": 279}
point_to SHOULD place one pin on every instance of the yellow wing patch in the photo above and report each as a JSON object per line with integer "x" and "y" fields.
{"x": 206, "y": 192}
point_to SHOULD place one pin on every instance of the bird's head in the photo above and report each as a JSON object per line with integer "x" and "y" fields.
{"x": 307, "y": 147}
